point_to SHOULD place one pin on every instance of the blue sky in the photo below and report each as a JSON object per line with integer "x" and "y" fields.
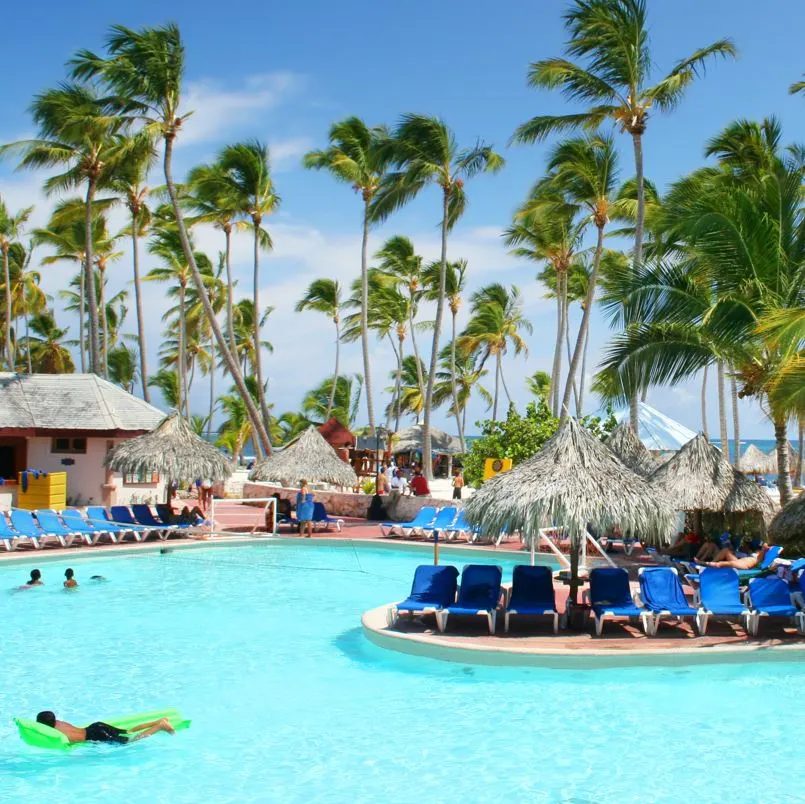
{"x": 284, "y": 72}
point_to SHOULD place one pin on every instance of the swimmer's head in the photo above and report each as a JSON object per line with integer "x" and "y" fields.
{"x": 46, "y": 719}
{"x": 68, "y": 573}
{"x": 35, "y": 575}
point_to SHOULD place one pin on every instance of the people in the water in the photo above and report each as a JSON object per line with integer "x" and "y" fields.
{"x": 69, "y": 579}
{"x": 35, "y": 579}
{"x": 100, "y": 732}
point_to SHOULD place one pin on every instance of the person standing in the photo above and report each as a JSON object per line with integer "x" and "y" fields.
{"x": 458, "y": 484}
{"x": 304, "y": 509}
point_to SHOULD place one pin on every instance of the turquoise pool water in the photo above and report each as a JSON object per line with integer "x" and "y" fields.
{"x": 262, "y": 647}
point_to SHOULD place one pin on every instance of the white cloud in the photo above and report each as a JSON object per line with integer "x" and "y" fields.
{"x": 218, "y": 109}
{"x": 286, "y": 154}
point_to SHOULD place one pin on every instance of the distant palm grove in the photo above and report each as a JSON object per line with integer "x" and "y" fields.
{"x": 712, "y": 281}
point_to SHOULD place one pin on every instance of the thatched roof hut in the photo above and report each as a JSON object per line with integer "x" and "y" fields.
{"x": 631, "y": 451}
{"x": 754, "y": 460}
{"x": 411, "y": 439}
{"x": 309, "y": 458}
{"x": 573, "y": 481}
{"x": 699, "y": 478}
{"x": 788, "y": 527}
{"x": 793, "y": 459}
{"x": 173, "y": 450}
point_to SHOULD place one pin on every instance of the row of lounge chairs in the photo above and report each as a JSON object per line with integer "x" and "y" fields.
{"x": 39, "y": 528}
{"x": 447, "y": 523}
{"x": 435, "y": 590}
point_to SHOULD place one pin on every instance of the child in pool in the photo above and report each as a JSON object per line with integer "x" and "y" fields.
{"x": 70, "y": 582}
{"x": 35, "y": 580}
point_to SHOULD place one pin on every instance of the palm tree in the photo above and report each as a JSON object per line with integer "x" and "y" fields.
{"x": 402, "y": 267}
{"x": 324, "y": 296}
{"x": 48, "y": 354}
{"x": 10, "y": 230}
{"x": 316, "y": 403}
{"x": 612, "y": 36}
{"x": 168, "y": 383}
{"x": 129, "y": 181}
{"x": 359, "y": 156}
{"x": 545, "y": 230}
{"x": 495, "y": 323}
{"x": 461, "y": 373}
{"x": 425, "y": 153}
{"x": 406, "y": 396}
{"x": 248, "y": 168}
{"x": 144, "y": 71}
{"x": 77, "y": 131}
{"x": 214, "y": 200}
{"x": 289, "y": 426}
{"x": 123, "y": 367}
{"x": 539, "y": 384}
{"x": 244, "y": 331}
{"x": 27, "y": 296}
{"x": 455, "y": 280}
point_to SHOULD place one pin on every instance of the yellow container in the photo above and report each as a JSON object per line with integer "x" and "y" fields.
{"x": 494, "y": 466}
{"x": 48, "y": 491}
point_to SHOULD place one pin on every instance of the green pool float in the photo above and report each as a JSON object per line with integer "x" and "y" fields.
{"x": 42, "y": 736}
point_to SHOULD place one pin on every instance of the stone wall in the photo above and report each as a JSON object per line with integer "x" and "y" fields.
{"x": 339, "y": 503}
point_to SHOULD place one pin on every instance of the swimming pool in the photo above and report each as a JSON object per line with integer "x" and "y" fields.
{"x": 261, "y": 645}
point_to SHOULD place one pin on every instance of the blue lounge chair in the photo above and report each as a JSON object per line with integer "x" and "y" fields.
{"x": 611, "y": 596}
{"x": 461, "y": 528}
{"x": 121, "y": 515}
{"x": 770, "y": 597}
{"x": 720, "y": 595}
{"x": 433, "y": 589}
{"x": 425, "y": 516}
{"x": 479, "y": 593}
{"x": 771, "y": 554}
{"x": 74, "y": 520}
{"x": 145, "y": 517}
{"x": 24, "y": 523}
{"x": 444, "y": 521}
{"x": 12, "y": 537}
{"x": 321, "y": 517}
{"x": 49, "y": 521}
{"x": 532, "y": 594}
{"x": 661, "y": 593}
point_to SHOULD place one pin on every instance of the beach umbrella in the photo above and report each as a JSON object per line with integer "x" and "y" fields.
{"x": 699, "y": 478}
{"x": 173, "y": 450}
{"x": 574, "y": 481}
{"x": 411, "y": 439}
{"x": 656, "y": 430}
{"x": 754, "y": 460}
{"x": 631, "y": 451}
{"x": 793, "y": 460}
{"x": 309, "y": 458}
{"x": 788, "y": 527}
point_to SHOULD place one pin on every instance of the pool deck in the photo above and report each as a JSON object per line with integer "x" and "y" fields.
{"x": 530, "y": 641}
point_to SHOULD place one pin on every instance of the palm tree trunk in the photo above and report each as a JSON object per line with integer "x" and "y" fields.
{"x": 637, "y": 142}
{"x": 28, "y": 338}
{"x": 398, "y": 383}
{"x": 138, "y": 301}
{"x": 584, "y": 328}
{"x": 230, "y": 290}
{"x": 92, "y": 299}
{"x": 258, "y": 360}
{"x": 335, "y": 376}
{"x": 367, "y": 377}
{"x": 82, "y": 296}
{"x": 427, "y": 453}
{"x": 259, "y": 429}
{"x": 722, "y": 413}
{"x": 390, "y": 407}
{"x": 7, "y": 281}
{"x": 704, "y": 404}
{"x": 503, "y": 382}
{"x": 580, "y": 410}
{"x": 800, "y": 451}
{"x": 497, "y": 385}
{"x": 557, "y": 353}
{"x": 453, "y": 389}
{"x": 783, "y": 457}
{"x": 181, "y": 357}
{"x": 736, "y": 424}
{"x": 419, "y": 378}
{"x": 104, "y": 323}
{"x": 569, "y": 357}
{"x": 212, "y": 383}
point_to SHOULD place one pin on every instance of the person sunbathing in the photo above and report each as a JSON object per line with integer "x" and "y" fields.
{"x": 100, "y": 732}
{"x": 726, "y": 558}
{"x": 707, "y": 552}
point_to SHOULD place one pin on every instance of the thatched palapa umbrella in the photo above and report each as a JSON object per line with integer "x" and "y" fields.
{"x": 173, "y": 450}
{"x": 788, "y": 527}
{"x": 755, "y": 461}
{"x": 793, "y": 460}
{"x": 309, "y": 458}
{"x": 699, "y": 478}
{"x": 411, "y": 439}
{"x": 573, "y": 481}
{"x": 631, "y": 451}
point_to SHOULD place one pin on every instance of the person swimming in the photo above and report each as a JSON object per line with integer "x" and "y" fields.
{"x": 35, "y": 580}
{"x": 70, "y": 582}
{"x": 97, "y": 578}
{"x": 100, "y": 732}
